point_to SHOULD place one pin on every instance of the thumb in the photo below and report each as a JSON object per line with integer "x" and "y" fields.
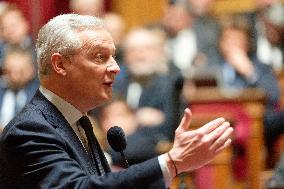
{"x": 185, "y": 122}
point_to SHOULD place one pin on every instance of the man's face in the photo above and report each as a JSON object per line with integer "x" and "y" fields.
{"x": 19, "y": 70}
{"x": 201, "y": 7}
{"x": 87, "y": 7}
{"x": 15, "y": 27}
{"x": 93, "y": 69}
{"x": 143, "y": 52}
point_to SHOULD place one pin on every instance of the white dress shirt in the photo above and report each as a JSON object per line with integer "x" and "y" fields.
{"x": 13, "y": 102}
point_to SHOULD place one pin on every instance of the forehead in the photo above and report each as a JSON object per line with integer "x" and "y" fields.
{"x": 11, "y": 16}
{"x": 142, "y": 39}
{"x": 97, "y": 38}
{"x": 235, "y": 31}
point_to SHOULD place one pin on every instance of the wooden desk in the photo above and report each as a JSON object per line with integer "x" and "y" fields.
{"x": 251, "y": 103}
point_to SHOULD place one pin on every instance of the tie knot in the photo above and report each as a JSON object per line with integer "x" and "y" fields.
{"x": 85, "y": 123}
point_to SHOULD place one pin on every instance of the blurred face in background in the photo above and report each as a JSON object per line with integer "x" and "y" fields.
{"x": 176, "y": 19}
{"x": 262, "y": 4}
{"x": 144, "y": 52}
{"x": 274, "y": 33}
{"x": 115, "y": 25}
{"x": 19, "y": 69}
{"x": 200, "y": 7}
{"x": 273, "y": 20}
{"x": 87, "y": 7}
{"x": 118, "y": 113}
{"x": 14, "y": 27}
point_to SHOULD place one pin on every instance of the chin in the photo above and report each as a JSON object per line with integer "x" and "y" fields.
{"x": 107, "y": 97}
{"x": 101, "y": 100}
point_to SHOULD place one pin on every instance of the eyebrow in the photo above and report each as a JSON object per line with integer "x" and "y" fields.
{"x": 99, "y": 47}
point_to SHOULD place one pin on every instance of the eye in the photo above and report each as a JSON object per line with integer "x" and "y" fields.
{"x": 100, "y": 57}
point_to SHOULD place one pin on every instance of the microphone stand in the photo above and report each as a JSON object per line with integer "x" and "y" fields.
{"x": 125, "y": 162}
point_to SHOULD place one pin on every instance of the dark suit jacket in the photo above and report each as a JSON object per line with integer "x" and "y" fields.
{"x": 39, "y": 149}
{"x": 207, "y": 31}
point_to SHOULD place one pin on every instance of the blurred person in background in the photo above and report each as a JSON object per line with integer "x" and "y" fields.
{"x": 206, "y": 30}
{"x": 263, "y": 4}
{"x": 241, "y": 69}
{"x": 19, "y": 83}
{"x": 118, "y": 113}
{"x": 191, "y": 35}
{"x": 87, "y": 7}
{"x": 15, "y": 31}
{"x": 181, "y": 39}
{"x": 141, "y": 145}
{"x": 116, "y": 26}
{"x": 148, "y": 84}
{"x": 270, "y": 27}
{"x": 240, "y": 66}
{"x": 3, "y": 6}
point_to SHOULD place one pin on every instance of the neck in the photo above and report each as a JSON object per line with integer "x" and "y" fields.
{"x": 60, "y": 90}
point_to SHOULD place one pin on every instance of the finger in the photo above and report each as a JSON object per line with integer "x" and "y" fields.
{"x": 195, "y": 137}
{"x": 222, "y": 139}
{"x": 215, "y": 134}
{"x": 186, "y": 120}
{"x": 211, "y": 126}
{"x": 226, "y": 144}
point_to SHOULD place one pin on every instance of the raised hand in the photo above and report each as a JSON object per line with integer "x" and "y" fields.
{"x": 193, "y": 149}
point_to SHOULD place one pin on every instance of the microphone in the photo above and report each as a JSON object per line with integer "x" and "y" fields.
{"x": 117, "y": 141}
{"x": 178, "y": 83}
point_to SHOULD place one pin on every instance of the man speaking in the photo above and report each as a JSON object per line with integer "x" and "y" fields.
{"x": 50, "y": 144}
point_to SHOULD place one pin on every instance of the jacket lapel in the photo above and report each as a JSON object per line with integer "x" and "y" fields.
{"x": 55, "y": 118}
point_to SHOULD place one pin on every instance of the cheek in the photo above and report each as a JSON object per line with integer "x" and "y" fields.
{"x": 92, "y": 80}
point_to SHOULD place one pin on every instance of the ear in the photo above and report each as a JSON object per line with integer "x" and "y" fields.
{"x": 57, "y": 63}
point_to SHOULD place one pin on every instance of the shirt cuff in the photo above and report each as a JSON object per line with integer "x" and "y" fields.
{"x": 165, "y": 170}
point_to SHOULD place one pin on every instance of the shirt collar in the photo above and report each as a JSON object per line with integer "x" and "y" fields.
{"x": 71, "y": 114}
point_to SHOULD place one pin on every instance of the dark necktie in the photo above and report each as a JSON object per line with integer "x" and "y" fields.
{"x": 96, "y": 152}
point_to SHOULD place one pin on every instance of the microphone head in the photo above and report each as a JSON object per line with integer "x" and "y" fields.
{"x": 179, "y": 81}
{"x": 116, "y": 138}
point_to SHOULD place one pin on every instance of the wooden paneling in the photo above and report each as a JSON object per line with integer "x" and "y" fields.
{"x": 229, "y": 6}
{"x": 139, "y": 12}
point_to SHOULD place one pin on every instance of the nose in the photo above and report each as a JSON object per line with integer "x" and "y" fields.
{"x": 113, "y": 67}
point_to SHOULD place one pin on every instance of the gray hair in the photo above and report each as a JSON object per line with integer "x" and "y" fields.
{"x": 275, "y": 14}
{"x": 59, "y": 35}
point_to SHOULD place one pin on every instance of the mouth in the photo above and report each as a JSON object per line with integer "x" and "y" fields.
{"x": 108, "y": 83}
